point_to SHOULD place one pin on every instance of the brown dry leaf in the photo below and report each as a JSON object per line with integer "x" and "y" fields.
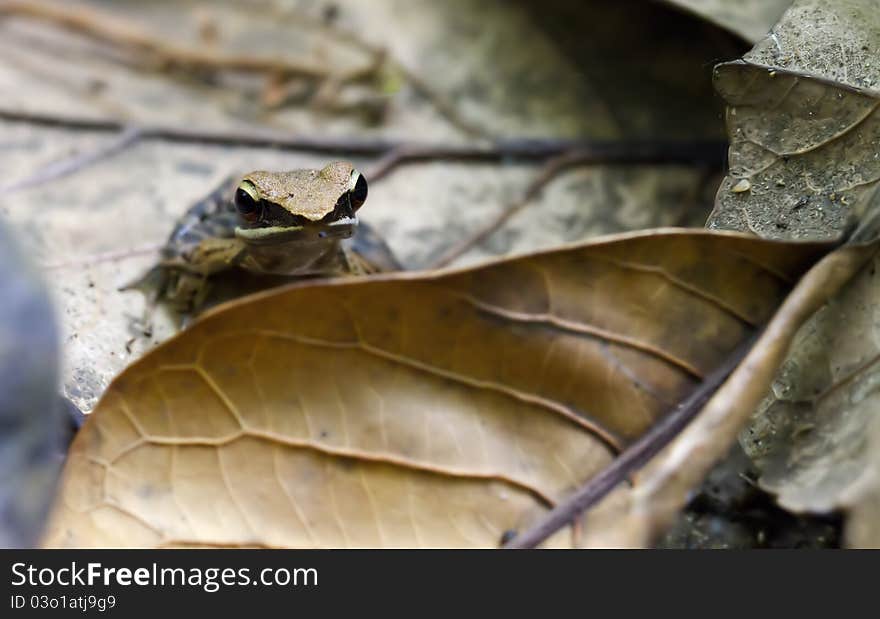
{"x": 437, "y": 409}
{"x": 663, "y": 488}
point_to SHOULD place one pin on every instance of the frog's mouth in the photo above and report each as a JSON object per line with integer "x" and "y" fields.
{"x": 313, "y": 233}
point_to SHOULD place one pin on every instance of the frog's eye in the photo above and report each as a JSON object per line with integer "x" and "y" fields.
{"x": 247, "y": 201}
{"x": 357, "y": 190}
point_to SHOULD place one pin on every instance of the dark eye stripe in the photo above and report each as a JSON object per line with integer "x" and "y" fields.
{"x": 359, "y": 193}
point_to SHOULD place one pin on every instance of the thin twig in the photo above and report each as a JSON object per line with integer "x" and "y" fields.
{"x": 706, "y": 153}
{"x": 523, "y": 150}
{"x": 550, "y": 170}
{"x": 66, "y": 167}
{"x": 633, "y": 457}
{"x": 104, "y": 27}
{"x": 105, "y": 257}
{"x": 526, "y": 149}
{"x": 709, "y": 152}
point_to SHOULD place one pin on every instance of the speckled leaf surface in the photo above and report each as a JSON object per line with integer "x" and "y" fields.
{"x": 437, "y": 409}
{"x": 803, "y": 123}
{"x": 804, "y": 141}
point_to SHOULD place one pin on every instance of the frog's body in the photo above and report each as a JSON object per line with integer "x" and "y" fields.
{"x": 291, "y": 224}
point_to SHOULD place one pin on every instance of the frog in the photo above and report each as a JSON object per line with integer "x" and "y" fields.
{"x": 288, "y": 225}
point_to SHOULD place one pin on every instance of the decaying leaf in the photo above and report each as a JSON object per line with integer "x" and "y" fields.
{"x": 436, "y": 409}
{"x": 863, "y": 525}
{"x": 803, "y": 163}
{"x": 803, "y": 123}
{"x": 810, "y": 438}
{"x": 810, "y": 143}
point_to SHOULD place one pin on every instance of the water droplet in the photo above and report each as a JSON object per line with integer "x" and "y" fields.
{"x": 741, "y": 186}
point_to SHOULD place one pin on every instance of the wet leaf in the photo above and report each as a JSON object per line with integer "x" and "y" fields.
{"x": 804, "y": 135}
{"x": 803, "y": 123}
{"x": 437, "y": 409}
{"x": 819, "y": 142}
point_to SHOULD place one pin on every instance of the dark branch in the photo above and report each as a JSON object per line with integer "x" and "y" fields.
{"x": 654, "y": 152}
{"x": 562, "y": 153}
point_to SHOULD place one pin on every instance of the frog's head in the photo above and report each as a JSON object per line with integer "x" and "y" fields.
{"x": 300, "y": 205}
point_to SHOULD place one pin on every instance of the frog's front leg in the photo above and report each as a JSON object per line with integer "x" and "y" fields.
{"x": 188, "y": 289}
{"x": 213, "y": 255}
{"x": 354, "y": 264}
{"x": 183, "y": 282}
{"x": 185, "y": 291}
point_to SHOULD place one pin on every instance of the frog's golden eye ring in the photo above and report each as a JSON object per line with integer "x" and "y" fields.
{"x": 247, "y": 202}
{"x": 357, "y": 190}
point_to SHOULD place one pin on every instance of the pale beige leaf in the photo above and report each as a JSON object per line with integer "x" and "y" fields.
{"x": 437, "y": 409}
